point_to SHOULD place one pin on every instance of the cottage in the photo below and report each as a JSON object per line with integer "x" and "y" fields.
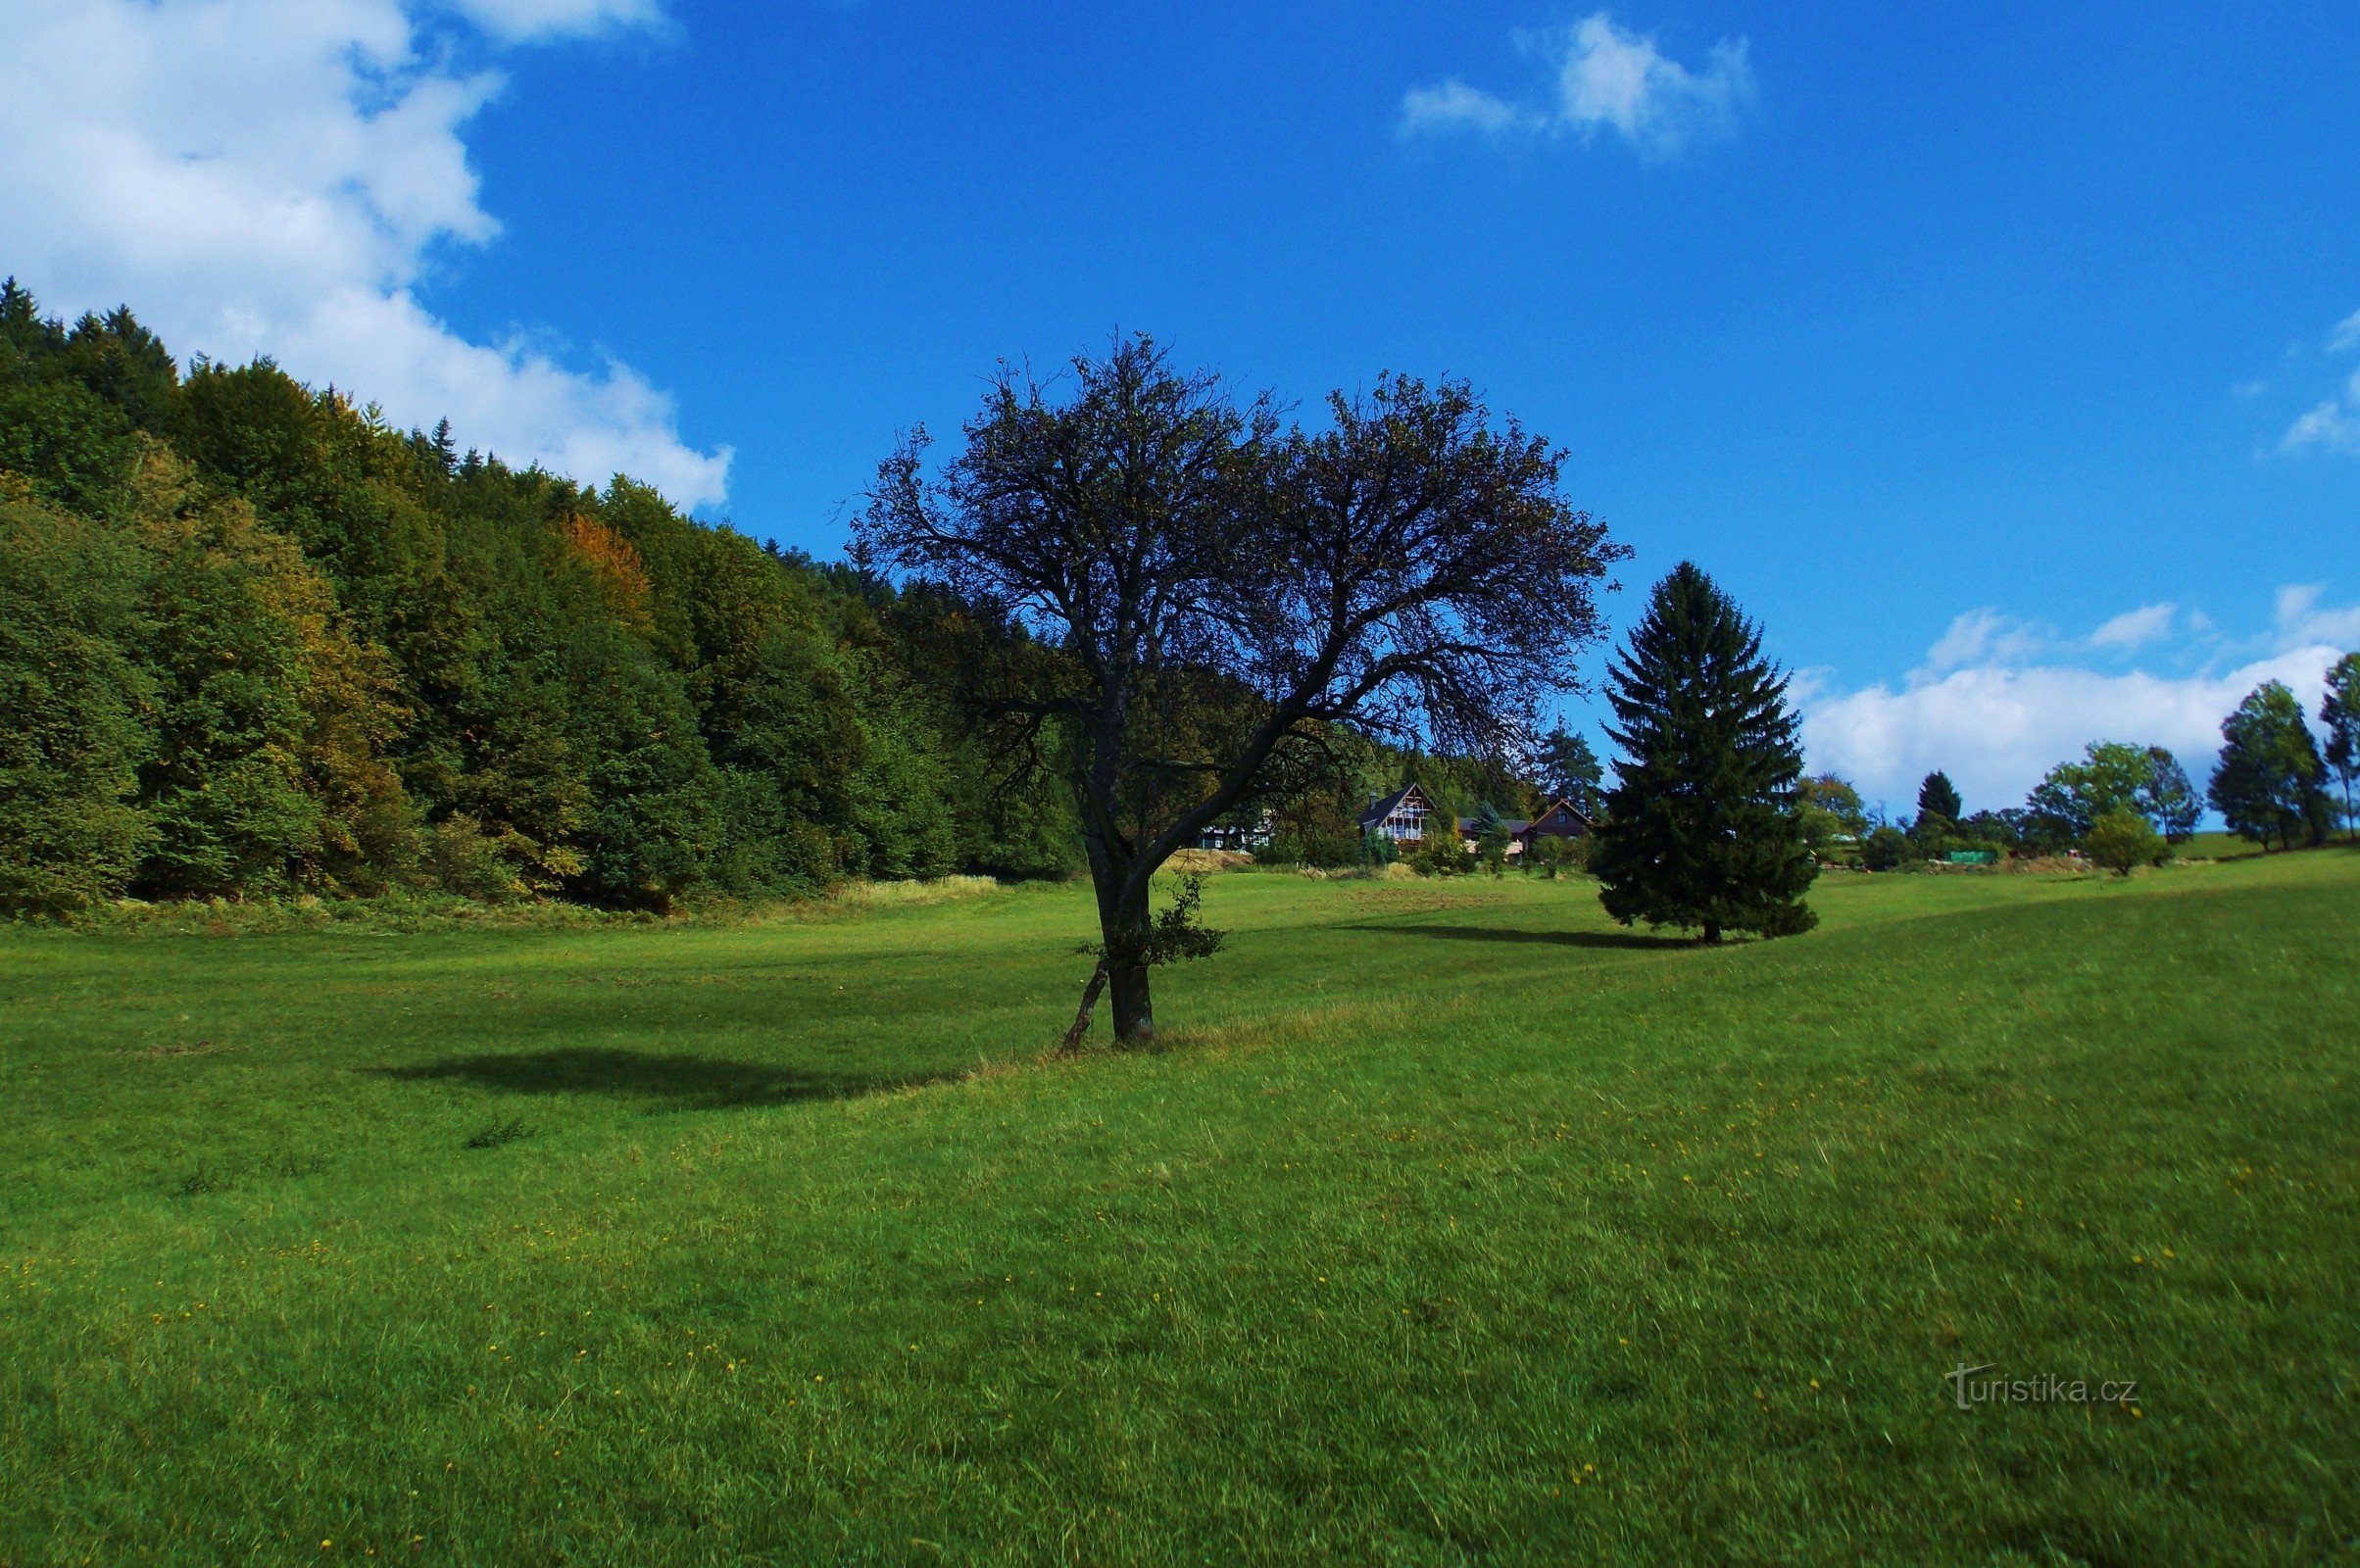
{"x": 1404, "y": 818}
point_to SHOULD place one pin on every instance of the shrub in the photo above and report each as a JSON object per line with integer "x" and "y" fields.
{"x": 1887, "y": 849}
{"x": 2121, "y": 841}
{"x": 1552, "y": 857}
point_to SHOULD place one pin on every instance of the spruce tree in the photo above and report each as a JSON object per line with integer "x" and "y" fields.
{"x": 1700, "y": 828}
{"x": 1938, "y": 797}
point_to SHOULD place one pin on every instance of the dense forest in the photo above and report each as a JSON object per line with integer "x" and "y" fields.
{"x": 253, "y": 642}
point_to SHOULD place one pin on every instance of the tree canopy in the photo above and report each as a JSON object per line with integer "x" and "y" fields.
{"x": 1211, "y": 592}
{"x": 2269, "y": 783}
{"x": 254, "y": 641}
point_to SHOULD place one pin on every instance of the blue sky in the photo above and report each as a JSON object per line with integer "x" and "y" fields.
{"x": 1992, "y": 359}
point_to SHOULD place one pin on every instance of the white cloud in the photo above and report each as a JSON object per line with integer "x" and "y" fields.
{"x": 1602, "y": 76}
{"x": 1453, "y": 104}
{"x": 1986, "y": 636}
{"x": 277, "y": 177}
{"x": 1995, "y": 725}
{"x": 520, "y": 19}
{"x": 2335, "y": 425}
{"x": 2300, "y": 619}
{"x": 2135, "y": 628}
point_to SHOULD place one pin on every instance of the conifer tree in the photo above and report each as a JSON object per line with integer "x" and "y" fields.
{"x": 1700, "y": 828}
{"x": 1938, "y": 797}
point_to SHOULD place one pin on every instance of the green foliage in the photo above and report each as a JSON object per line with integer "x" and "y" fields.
{"x": 1938, "y": 799}
{"x": 1443, "y": 851}
{"x": 1888, "y": 849}
{"x": 2168, "y": 801}
{"x": 1570, "y": 769}
{"x": 2269, "y": 781}
{"x": 1833, "y": 821}
{"x": 2110, "y": 776}
{"x": 257, "y": 643}
{"x": 2122, "y": 841}
{"x": 2340, "y": 714}
{"x": 1701, "y": 829}
{"x": 72, "y": 708}
{"x": 1554, "y": 854}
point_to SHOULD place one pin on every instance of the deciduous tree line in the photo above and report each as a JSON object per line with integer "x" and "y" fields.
{"x": 253, "y": 641}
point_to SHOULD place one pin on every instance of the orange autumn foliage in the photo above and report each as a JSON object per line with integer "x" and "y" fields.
{"x": 613, "y": 563}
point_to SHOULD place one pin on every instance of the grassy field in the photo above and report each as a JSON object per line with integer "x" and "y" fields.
{"x": 1449, "y": 1225}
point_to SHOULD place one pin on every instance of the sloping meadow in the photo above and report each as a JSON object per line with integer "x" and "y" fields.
{"x": 1451, "y": 1223}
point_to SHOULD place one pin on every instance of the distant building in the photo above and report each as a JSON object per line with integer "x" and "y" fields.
{"x": 1405, "y": 816}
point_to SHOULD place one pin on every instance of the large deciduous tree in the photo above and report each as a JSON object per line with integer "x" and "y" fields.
{"x": 1213, "y": 592}
{"x": 1701, "y": 829}
{"x": 2267, "y": 781}
{"x": 2340, "y": 711}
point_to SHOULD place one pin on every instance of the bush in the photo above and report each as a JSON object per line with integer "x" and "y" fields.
{"x": 2121, "y": 841}
{"x": 1552, "y": 857}
{"x": 1887, "y": 850}
{"x": 1442, "y": 854}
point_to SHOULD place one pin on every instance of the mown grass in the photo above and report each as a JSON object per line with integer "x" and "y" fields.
{"x": 1450, "y": 1225}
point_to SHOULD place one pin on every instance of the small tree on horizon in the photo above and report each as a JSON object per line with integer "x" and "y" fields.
{"x": 2168, "y": 800}
{"x": 1939, "y": 798}
{"x": 1570, "y": 769}
{"x": 1701, "y": 829}
{"x": 2340, "y": 711}
{"x": 2122, "y": 841}
{"x": 2269, "y": 778}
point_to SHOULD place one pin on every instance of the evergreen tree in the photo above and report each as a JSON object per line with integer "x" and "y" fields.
{"x": 1701, "y": 828}
{"x": 1570, "y": 769}
{"x": 1939, "y": 798}
{"x": 2268, "y": 779}
{"x": 2340, "y": 711}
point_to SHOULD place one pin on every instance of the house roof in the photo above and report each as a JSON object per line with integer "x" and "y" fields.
{"x": 1386, "y": 806}
{"x": 1513, "y": 824}
{"x": 1565, "y": 805}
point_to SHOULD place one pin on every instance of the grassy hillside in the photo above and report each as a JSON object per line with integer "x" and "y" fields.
{"x": 1452, "y": 1225}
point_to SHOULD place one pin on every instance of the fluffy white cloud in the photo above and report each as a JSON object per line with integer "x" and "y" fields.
{"x": 1602, "y": 76}
{"x": 274, "y": 176}
{"x": 1995, "y": 725}
{"x": 2135, "y": 628}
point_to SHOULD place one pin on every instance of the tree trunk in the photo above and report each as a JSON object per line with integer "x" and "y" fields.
{"x": 1134, "y": 1017}
{"x": 1081, "y": 1016}
{"x": 1712, "y": 932}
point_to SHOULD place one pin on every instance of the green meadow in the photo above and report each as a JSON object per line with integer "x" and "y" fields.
{"x": 1448, "y": 1224}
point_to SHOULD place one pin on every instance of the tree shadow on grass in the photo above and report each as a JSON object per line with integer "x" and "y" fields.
{"x": 1609, "y": 940}
{"x": 679, "y": 1081}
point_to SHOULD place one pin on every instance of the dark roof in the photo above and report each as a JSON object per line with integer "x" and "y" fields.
{"x": 1565, "y": 805}
{"x": 1384, "y": 808}
{"x": 1513, "y": 824}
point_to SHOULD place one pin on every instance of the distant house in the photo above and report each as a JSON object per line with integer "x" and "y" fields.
{"x": 1231, "y": 836}
{"x": 1401, "y": 817}
{"x": 1405, "y": 816}
{"x": 1562, "y": 820}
